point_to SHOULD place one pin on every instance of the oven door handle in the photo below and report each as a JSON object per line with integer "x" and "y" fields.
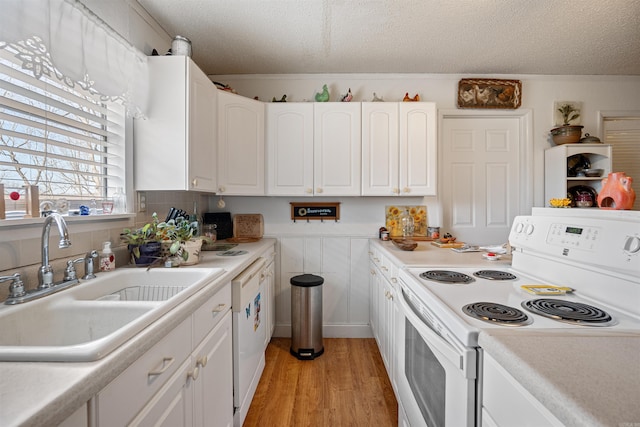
{"x": 454, "y": 353}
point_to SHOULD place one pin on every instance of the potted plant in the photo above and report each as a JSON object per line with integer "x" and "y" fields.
{"x": 567, "y": 133}
{"x": 143, "y": 243}
{"x": 179, "y": 238}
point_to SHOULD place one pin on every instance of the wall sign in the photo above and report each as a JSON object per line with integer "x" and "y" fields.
{"x": 315, "y": 211}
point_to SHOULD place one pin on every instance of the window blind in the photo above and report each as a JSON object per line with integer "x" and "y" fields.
{"x": 623, "y": 134}
{"x": 68, "y": 142}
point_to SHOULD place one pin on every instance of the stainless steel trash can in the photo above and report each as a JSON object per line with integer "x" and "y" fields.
{"x": 306, "y": 316}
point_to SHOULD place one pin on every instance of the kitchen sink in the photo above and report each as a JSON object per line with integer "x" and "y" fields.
{"x": 86, "y": 322}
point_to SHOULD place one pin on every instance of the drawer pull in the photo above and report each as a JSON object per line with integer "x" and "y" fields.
{"x": 194, "y": 374}
{"x": 202, "y": 362}
{"x": 166, "y": 363}
{"x": 219, "y": 308}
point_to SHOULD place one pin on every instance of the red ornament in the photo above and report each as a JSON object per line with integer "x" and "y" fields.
{"x": 14, "y": 195}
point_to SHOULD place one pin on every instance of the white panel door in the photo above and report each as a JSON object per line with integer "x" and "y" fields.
{"x": 481, "y": 179}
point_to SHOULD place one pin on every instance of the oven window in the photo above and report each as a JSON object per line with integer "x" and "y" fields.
{"x": 426, "y": 377}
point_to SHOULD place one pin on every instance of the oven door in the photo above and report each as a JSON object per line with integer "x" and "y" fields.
{"x": 436, "y": 377}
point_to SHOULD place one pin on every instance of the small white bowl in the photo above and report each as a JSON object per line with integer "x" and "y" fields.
{"x": 491, "y": 257}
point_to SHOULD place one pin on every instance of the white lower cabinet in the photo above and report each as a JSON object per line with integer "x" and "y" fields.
{"x": 505, "y": 402}
{"x": 183, "y": 380}
{"x": 383, "y": 313}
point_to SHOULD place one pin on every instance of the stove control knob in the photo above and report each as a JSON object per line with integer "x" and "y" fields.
{"x": 519, "y": 227}
{"x": 632, "y": 245}
{"x": 529, "y": 229}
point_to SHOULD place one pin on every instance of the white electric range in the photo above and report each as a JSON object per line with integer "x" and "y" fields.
{"x": 596, "y": 255}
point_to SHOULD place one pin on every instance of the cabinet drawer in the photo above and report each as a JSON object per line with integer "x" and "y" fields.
{"x": 210, "y": 313}
{"x": 119, "y": 401}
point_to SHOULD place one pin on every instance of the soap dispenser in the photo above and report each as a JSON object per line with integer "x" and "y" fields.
{"x": 107, "y": 259}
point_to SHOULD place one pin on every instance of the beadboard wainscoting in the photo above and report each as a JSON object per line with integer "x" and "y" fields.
{"x": 342, "y": 262}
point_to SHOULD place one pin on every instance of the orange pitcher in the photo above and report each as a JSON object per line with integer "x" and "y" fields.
{"x": 616, "y": 192}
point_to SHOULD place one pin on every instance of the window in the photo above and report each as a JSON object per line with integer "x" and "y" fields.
{"x": 58, "y": 136}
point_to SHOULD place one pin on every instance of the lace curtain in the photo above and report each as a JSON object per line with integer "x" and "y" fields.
{"x": 64, "y": 39}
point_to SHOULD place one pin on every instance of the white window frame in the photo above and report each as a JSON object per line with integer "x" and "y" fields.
{"x": 112, "y": 126}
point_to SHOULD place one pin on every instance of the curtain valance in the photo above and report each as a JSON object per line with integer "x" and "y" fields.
{"x": 63, "y": 38}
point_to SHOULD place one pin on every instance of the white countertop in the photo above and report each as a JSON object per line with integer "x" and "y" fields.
{"x": 584, "y": 378}
{"x": 45, "y": 394}
{"x": 429, "y": 255}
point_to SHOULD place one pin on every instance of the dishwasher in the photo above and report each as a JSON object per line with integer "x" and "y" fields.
{"x": 249, "y": 334}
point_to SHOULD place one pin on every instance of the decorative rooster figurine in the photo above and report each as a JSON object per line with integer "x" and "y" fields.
{"x": 348, "y": 97}
{"x": 283, "y": 99}
{"x": 324, "y": 95}
{"x": 376, "y": 99}
{"x": 408, "y": 99}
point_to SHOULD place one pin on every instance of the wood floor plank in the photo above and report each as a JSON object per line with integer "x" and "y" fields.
{"x": 346, "y": 386}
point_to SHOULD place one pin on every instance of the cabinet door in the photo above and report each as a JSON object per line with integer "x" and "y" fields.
{"x": 240, "y": 145}
{"x": 160, "y": 138}
{"x": 202, "y": 131}
{"x": 337, "y": 149}
{"x": 418, "y": 148}
{"x": 380, "y": 149}
{"x": 270, "y": 290}
{"x": 213, "y": 386}
{"x": 172, "y": 406}
{"x": 289, "y": 141}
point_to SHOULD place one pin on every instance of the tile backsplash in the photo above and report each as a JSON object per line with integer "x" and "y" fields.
{"x": 20, "y": 246}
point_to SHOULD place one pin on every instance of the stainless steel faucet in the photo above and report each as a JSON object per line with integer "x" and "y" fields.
{"x": 46, "y": 271}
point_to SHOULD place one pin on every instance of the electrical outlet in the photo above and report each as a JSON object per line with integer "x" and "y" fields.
{"x": 142, "y": 201}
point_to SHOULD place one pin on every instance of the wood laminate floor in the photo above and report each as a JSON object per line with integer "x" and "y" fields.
{"x": 346, "y": 386}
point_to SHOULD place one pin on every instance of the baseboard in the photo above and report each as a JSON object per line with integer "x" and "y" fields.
{"x": 330, "y": 331}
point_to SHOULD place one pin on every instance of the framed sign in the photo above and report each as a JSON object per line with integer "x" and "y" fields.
{"x": 489, "y": 93}
{"x": 315, "y": 211}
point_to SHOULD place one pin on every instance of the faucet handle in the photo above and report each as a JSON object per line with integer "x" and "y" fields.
{"x": 16, "y": 289}
{"x": 70, "y": 271}
{"x": 88, "y": 265}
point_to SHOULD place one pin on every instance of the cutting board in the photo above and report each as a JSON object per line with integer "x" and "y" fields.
{"x": 248, "y": 227}
{"x": 448, "y": 245}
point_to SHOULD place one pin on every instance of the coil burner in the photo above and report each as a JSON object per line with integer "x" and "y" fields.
{"x": 569, "y": 312}
{"x": 495, "y": 275}
{"x": 445, "y": 276}
{"x": 497, "y": 314}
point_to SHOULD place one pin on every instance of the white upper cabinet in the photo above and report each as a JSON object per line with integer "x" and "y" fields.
{"x": 418, "y": 143}
{"x": 399, "y": 148}
{"x": 175, "y": 146}
{"x": 240, "y": 145}
{"x": 313, "y": 149}
{"x": 337, "y": 149}
{"x": 380, "y": 149}
{"x": 289, "y": 134}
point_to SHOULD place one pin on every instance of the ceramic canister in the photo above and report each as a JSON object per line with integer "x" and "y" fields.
{"x": 181, "y": 46}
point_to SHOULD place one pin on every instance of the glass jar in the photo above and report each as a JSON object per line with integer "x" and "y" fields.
{"x": 407, "y": 224}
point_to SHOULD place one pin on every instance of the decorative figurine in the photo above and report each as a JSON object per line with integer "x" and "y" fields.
{"x": 408, "y": 99}
{"x": 324, "y": 95}
{"x": 348, "y": 97}
{"x": 616, "y": 192}
{"x": 376, "y": 99}
{"x": 283, "y": 99}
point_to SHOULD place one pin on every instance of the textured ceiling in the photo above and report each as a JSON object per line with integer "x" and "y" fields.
{"x": 407, "y": 36}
